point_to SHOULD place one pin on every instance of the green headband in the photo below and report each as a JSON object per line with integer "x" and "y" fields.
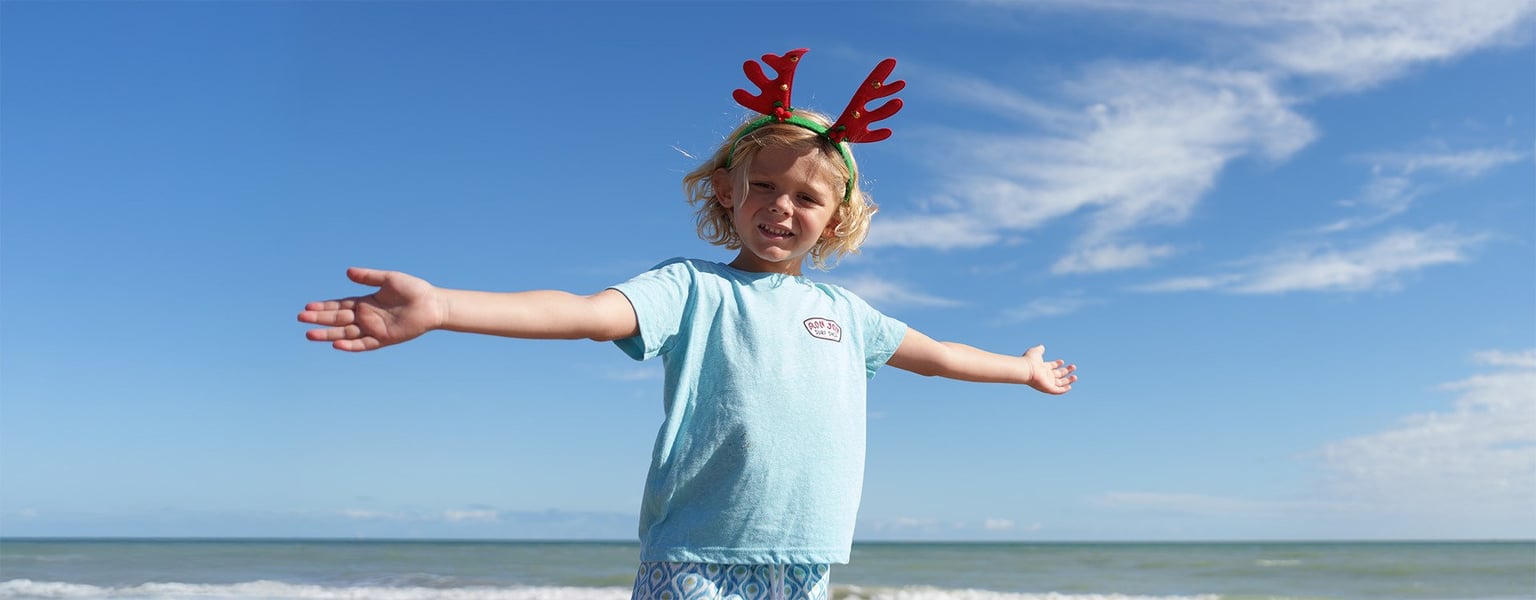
{"x": 842, "y": 147}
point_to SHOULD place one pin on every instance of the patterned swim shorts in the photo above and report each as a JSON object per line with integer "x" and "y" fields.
{"x": 699, "y": 581}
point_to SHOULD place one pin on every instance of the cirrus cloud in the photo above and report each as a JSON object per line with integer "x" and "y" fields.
{"x": 1477, "y": 458}
{"x": 1145, "y": 145}
{"x": 1379, "y": 264}
{"x": 1127, "y": 146}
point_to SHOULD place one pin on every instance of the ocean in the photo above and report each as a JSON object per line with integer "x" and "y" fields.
{"x": 496, "y": 570}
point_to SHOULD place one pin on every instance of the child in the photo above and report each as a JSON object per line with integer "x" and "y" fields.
{"x": 755, "y": 477}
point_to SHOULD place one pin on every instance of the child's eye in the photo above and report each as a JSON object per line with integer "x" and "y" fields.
{"x": 810, "y": 200}
{"x": 762, "y": 185}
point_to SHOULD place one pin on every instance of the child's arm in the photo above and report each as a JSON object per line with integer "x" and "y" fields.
{"x": 923, "y": 355}
{"x": 405, "y": 307}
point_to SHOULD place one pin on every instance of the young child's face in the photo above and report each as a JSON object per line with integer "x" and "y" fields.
{"x": 791, "y": 203}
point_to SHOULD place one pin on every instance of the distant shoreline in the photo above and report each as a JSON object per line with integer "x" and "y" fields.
{"x": 387, "y": 540}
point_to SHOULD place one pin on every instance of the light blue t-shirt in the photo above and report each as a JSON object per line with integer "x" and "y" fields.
{"x": 760, "y": 458}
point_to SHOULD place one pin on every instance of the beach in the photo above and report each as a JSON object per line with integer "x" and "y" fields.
{"x": 517, "y": 570}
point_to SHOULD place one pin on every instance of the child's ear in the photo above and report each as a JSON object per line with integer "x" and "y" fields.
{"x": 725, "y": 189}
{"x": 831, "y": 229}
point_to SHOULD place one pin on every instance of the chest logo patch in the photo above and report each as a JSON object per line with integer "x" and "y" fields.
{"x": 825, "y": 329}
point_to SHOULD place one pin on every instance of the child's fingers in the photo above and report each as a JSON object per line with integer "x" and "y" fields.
{"x": 338, "y": 303}
{"x": 331, "y": 334}
{"x": 328, "y": 317}
{"x": 1065, "y": 374}
{"x": 373, "y": 277}
{"x": 357, "y": 345}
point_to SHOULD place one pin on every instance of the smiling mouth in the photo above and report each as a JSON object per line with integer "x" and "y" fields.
{"x": 775, "y": 231}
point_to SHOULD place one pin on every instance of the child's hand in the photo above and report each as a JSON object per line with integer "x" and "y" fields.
{"x": 1054, "y": 377}
{"x": 403, "y": 308}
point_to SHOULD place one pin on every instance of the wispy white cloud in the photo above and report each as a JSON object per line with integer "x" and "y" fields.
{"x": 451, "y": 515}
{"x": 1499, "y": 358}
{"x": 1467, "y": 466}
{"x": 1110, "y": 257}
{"x": 1126, "y": 146}
{"x": 1386, "y": 196}
{"x": 1372, "y": 266}
{"x": 1378, "y": 264}
{"x": 1477, "y": 458}
{"x": 999, "y": 525}
{"x": 1205, "y": 505}
{"x": 932, "y": 528}
{"x": 1189, "y": 284}
{"x": 1398, "y": 179}
{"x": 376, "y": 515}
{"x": 942, "y": 232}
{"x": 905, "y": 526}
{"x": 1463, "y": 163}
{"x": 1049, "y": 307}
{"x": 990, "y": 97}
{"x": 477, "y": 515}
{"x": 1349, "y": 45}
{"x": 1145, "y": 143}
{"x": 1359, "y": 44}
{"x": 884, "y": 292}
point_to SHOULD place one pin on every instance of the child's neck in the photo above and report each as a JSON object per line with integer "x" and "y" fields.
{"x": 752, "y": 264}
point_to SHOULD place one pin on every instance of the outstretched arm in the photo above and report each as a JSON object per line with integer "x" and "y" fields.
{"x": 404, "y": 307}
{"x": 923, "y": 355}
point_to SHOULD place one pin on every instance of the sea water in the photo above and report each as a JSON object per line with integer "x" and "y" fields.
{"x": 477, "y": 570}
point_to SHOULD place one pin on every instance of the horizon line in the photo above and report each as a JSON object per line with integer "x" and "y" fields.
{"x": 856, "y": 542}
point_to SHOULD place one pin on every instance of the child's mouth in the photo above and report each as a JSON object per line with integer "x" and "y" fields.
{"x": 775, "y": 232}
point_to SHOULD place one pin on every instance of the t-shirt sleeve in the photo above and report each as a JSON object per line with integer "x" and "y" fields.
{"x": 660, "y": 299}
{"x": 882, "y": 335}
{"x": 886, "y": 334}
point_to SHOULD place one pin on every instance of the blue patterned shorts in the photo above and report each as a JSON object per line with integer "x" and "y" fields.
{"x": 699, "y": 581}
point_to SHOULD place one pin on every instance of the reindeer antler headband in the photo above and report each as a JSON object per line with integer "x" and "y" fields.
{"x": 850, "y": 128}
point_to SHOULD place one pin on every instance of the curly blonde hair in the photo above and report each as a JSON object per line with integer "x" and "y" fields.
{"x": 714, "y": 219}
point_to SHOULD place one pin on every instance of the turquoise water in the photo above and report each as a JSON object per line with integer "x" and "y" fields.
{"x": 410, "y": 570}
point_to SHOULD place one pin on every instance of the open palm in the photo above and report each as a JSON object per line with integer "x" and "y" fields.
{"x": 403, "y": 308}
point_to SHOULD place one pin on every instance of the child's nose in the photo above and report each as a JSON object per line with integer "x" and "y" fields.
{"x": 782, "y": 203}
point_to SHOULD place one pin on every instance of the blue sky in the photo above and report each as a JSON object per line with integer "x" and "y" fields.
{"x": 1290, "y": 245}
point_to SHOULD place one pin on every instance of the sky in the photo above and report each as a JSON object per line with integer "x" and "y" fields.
{"x": 1291, "y": 246}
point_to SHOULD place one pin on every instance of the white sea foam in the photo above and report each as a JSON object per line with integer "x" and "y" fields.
{"x": 929, "y": 593}
{"x": 24, "y": 589}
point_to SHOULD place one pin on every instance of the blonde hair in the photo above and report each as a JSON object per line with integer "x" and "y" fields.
{"x": 853, "y": 213}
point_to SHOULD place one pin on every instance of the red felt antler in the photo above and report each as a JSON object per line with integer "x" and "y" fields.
{"x": 853, "y": 125}
{"x": 774, "y": 98}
